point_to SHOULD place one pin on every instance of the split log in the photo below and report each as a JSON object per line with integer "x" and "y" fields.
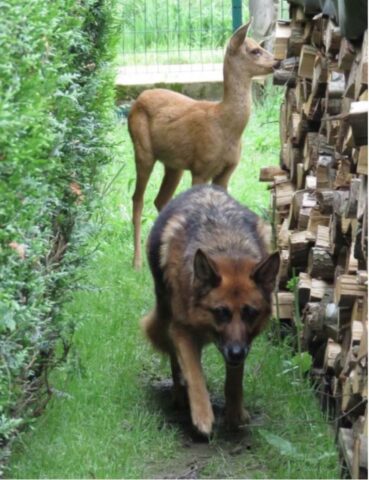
{"x": 346, "y": 55}
{"x": 304, "y": 288}
{"x": 297, "y": 128}
{"x": 284, "y": 190}
{"x": 336, "y": 84}
{"x": 332, "y": 38}
{"x": 322, "y": 238}
{"x": 333, "y": 126}
{"x": 300, "y": 176}
{"x": 343, "y": 177}
{"x": 287, "y": 72}
{"x": 312, "y": 316}
{"x": 311, "y": 150}
{"x": 297, "y": 14}
{"x": 282, "y": 34}
{"x": 313, "y": 108}
{"x": 352, "y": 264}
{"x": 310, "y": 182}
{"x": 284, "y": 274}
{"x": 317, "y": 218}
{"x": 353, "y": 198}
{"x": 320, "y": 264}
{"x": 294, "y": 156}
{"x": 320, "y": 76}
{"x": 317, "y": 31}
{"x": 332, "y": 351}
{"x": 283, "y": 234}
{"x": 346, "y": 443}
{"x": 303, "y": 90}
{"x": 361, "y": 80}
{"x": 296, "y": 40}
{"x": 283, "y": 123}
{"x": 347, "y": 290}
{"x": 351, "y": 80}
{"x": 307, "y": 60}
{"x": 285, "y": 305}
{"x": 299, "y": 246}
{"x": 362, "y": 163}
{"x": 358, "y": 119}
{"x": 324, "y": 173}
{"x": 267, "y": 174}
{"x": 319, "y": 290}
{"x": 340, "y": 200}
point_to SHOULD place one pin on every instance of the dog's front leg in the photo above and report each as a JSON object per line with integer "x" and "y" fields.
{"x": 235, "y": 413}
{"x": 189, "y": 358}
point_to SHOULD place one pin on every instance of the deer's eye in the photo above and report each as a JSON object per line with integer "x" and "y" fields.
{"x": 222, "y": 314}
{"x": 249, "y": 314}
{"x": 256, "y": 52}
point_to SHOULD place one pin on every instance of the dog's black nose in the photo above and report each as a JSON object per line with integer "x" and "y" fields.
{"x": 277, "y": 64}
{"x": 236, "y": 353}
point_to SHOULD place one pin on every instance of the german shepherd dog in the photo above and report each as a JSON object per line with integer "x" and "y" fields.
{"x": 213, "y": 283}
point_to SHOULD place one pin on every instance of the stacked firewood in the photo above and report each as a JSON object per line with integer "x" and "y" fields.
{"x": 320, "y": 206}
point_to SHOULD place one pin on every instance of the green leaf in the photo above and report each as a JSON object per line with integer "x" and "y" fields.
{"x": 283, "y": 446}
{"x": 302, "y": 360}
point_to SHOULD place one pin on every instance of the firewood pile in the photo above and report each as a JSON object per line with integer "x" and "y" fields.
{"x": 320, "y": 206}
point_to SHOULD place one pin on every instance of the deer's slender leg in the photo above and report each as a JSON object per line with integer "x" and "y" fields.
{"x": 168, "y": 187}
{"x": 143, "y": 175}
{"x": 223, "y": 178}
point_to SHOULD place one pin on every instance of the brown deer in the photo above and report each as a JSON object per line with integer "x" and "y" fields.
{"x": 201, "y": 136}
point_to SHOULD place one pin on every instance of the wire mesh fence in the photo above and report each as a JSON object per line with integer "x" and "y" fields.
{"x": 159, "y": 32}
{"x": 179, "y": 35}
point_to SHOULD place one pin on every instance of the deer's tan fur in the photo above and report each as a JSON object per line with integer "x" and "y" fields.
{"x": 201, "y": 136}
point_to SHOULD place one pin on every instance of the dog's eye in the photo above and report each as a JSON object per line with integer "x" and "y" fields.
{"x": 222, "y": 314}
{"x": 249, "y": 314}
{"x": 256, "y": 52}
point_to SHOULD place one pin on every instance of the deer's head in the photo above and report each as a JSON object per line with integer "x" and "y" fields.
{"x": 247, "y": 57}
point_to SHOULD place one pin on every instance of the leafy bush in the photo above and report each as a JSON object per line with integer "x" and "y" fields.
{"x": 56, "y": 93}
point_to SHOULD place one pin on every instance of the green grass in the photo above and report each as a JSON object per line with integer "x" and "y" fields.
{"x": 104, "y": 421}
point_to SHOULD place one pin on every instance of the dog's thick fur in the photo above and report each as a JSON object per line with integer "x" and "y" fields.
{"x": 213, "y": 281}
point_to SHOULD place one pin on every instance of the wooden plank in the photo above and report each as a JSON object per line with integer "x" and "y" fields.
{"x": 358, "y": 120}
{"x": 285, "y": 305}
{"x": 307, "y": 60}
{"x": 282, "y": 34}
{"x": 362, "y": 163}
{"x": 346, "y": 55}
{"x": 267, "y": 174}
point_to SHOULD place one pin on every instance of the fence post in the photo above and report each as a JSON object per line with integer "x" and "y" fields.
{"x": 236, "y": 14}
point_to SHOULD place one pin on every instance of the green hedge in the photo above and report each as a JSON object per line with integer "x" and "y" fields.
{"x": 56, "y": 99}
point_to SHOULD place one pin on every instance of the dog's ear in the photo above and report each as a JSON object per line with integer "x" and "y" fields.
{"x": 205, "y": 270}
{"x": 265, "y": 273}
{"x": 239, "y": 36}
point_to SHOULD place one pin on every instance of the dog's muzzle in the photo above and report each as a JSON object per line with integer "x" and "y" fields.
{"x": 235, "y": 353}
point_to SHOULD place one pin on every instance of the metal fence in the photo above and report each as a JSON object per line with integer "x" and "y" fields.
{"x": 177, "y": 31}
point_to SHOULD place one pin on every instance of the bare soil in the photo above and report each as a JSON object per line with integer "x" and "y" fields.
{"x": 226, "y": 455}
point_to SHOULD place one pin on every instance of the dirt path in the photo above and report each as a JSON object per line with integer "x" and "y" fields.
{"x": 224, "y": 456}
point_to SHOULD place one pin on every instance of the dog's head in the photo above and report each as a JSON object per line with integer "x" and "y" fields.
{"x": 233, "y": 299}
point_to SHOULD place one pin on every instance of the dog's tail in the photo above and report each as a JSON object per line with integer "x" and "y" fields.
{"x": 156, "y": 331}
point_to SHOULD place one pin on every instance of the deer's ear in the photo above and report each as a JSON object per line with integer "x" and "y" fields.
{"x": 239, "y": 36}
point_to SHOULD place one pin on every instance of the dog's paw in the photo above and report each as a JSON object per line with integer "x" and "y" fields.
{"x": 203, "y": 419}
{"x": 235, "y": 418}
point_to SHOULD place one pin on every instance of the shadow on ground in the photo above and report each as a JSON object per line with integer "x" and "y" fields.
{"x": 226, "y": 455}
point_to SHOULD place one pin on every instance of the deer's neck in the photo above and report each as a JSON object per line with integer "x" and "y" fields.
{"x": 236, "y": 104}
